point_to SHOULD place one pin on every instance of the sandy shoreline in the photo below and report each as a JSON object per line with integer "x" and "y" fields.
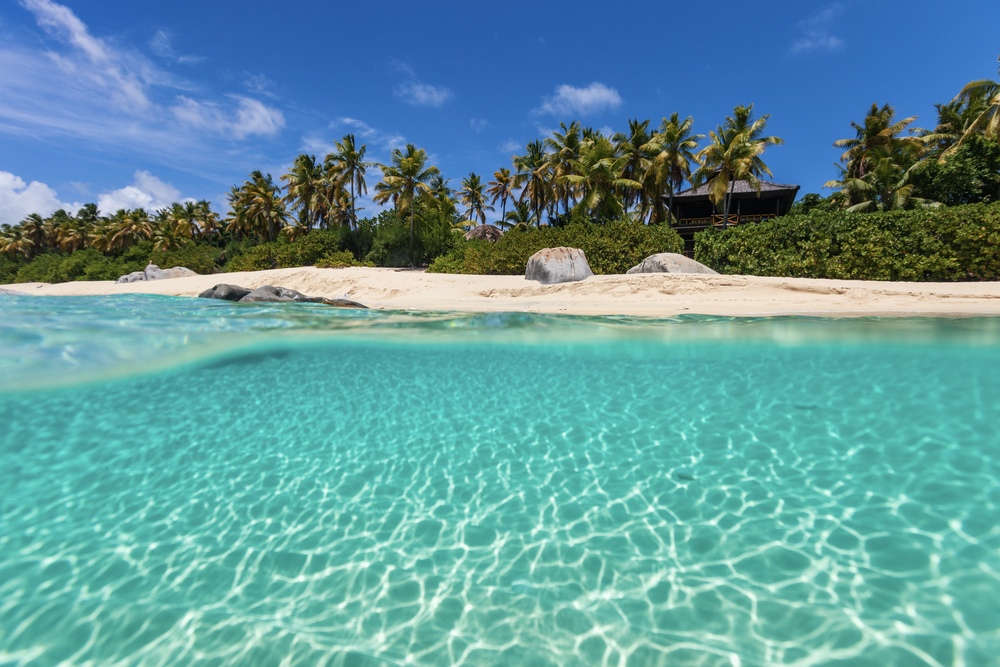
{"x": 649, "y": 295}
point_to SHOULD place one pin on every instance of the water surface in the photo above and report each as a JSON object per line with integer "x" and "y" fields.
{"x": 188, "y": 482}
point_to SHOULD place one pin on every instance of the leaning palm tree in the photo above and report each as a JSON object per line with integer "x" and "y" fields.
{"x": 984, "y": 96}
{"x": 734, "y": 154}
{"x": 347, "y": 166}
{"x": 474, "y": 198}
{"x": 401, "y": 181}
{"x": 502, "y": 188}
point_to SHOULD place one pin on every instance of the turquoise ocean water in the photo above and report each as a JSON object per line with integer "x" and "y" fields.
{"x": 197, "y": 482}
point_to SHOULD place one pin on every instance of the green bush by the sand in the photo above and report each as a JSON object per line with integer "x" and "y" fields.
{"x": 613, "y": 247}
{"x": 86, "y": 264}
{"x": 304, "y": 251}
{"x": 943, "y": 244}
{"x": 340, "y": 260}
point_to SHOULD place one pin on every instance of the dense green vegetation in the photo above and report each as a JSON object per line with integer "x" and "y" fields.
{"x": 942, "y": 244}
{"x": 614, "y": 247}
{"x": 609, "y": 195}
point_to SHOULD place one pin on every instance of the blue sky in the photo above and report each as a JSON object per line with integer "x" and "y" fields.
{"x": 129, "y": 104}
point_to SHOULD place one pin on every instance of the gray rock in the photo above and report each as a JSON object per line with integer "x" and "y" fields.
{"x": 489, "y": 233}
{"x": 12, "y": 292}
{"x": 133, "y": 277}
{"x": 558, "y": 265}
{"x": 670, "y": 262}
{"x": 153, "y": 272}
{"x": 270, "y": 293}
{"x": 225, "y": 292}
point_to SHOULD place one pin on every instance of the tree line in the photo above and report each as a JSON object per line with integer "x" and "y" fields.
{"x": 577, "y": 174}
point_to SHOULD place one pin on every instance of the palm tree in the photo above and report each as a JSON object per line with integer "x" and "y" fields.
{"x": 674, "y": 146}
{"x": 878, "y": 162}
{"x": 304, "y": 190}
{"x": 257, "y": 210}
{"x": 404, "y": 179}
{"x": 878, "y": 135}
{"x": 519, "y": 217}
{"x": 502, "y": 188}
{"x": 129, "y": 228}
{"x": 347, "y": 165}
{"x": 533, "y": 178}
{"x": 734, "y": 155}
{"x": 599, "y": 178}
{"x": 635, "y": 147}
{"x": 472, "y": 195}
{"x": 564, "y": 150}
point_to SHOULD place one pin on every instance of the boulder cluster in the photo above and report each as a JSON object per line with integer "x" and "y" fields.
{"x": 271, "y": 294}
{"x": 153, "y": 272}
{"x": 563, "y": 265}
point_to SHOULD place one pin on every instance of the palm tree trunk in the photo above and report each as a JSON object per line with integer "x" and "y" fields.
{"x": 728, "y": 201}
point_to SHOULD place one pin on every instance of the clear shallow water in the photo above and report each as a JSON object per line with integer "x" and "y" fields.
{"x": 301, "y": 485}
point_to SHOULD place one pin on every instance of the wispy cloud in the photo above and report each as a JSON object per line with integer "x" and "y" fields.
{"x": 162, "y": 45}
{"x": 569, "y": 100}
{"x": 378, "y": 139}
{"x": 92, "y": 90}
{"x": 18, "y": 199}
{"x": 478, "y": 124}
{"x": 417, "y": 93}
{"x": 815, "y": 31}
{"x": 511, "y": 147}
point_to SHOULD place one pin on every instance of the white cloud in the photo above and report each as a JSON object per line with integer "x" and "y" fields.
{"x": 569, "y": 100}
{"x": 147, "y": 192}
{"x": 249, "y": 117}
{"x": 423, "y": 94}
{"x": 511, "y": 146}
{"x": 478, "y": 124}
{"x": 417, "y": 93}
{"x": 19, "y": 199}
{"x": 815, "y": 31}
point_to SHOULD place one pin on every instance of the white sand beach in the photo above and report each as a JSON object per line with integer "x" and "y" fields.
{"x": 650, "y": 295}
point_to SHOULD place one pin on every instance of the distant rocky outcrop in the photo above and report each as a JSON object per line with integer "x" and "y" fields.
{"x": 670, "y": 262}
{"x": 153, "y": 272}
{"x": 558, "y": 265}
{"x": 272, "y": 294}
{"x": 484, "y": 232}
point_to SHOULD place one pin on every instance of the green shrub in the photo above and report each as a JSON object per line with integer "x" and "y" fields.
{"x": 199, "y": 257}
{"x": 614, "y": 247}
{"x": 86, "y": 264}
{"x": 304, "y": 251}
{"x": 340, "y": 260}
{"x": 9, "y": 266}
{"x": 945, "y": 244}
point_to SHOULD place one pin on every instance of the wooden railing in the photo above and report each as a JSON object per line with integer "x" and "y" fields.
{"x": 716, "y": 220}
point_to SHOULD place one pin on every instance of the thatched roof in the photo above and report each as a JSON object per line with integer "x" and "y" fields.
{"x": 741, "y": 188}
{"x": 487, "y": 232}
